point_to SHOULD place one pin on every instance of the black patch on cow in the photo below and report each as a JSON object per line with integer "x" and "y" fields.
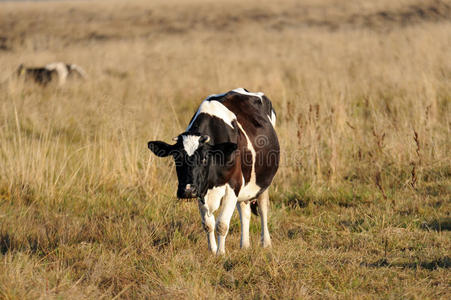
{"x": 254, "y": 207}
{"x": 40, "y": 76}
{"x": 215, "y": 128}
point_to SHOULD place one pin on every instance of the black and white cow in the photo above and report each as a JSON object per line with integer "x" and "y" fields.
{"x": 51, "y": 72}
{"x": 229, "y": 152}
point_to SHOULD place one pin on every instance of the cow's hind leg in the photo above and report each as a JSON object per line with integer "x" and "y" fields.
{"x": 263, "y": 205}
{"x": 222, "y": 224}
{"x": 244, "y": 208}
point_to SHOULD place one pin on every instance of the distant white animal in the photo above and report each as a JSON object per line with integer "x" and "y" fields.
{"x": 51, "y": 72}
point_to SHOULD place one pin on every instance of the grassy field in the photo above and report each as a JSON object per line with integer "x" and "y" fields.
{"x": 360, "y": 207}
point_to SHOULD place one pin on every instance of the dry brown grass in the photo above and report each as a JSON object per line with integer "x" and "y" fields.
{"x": 361, "y": 205}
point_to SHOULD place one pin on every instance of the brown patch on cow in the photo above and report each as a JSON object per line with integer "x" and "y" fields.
{"x": 235, "y": 179}
{"x": 252, "y": 115}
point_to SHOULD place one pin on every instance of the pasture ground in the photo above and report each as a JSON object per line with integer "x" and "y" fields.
{"x": 359, "y": 209}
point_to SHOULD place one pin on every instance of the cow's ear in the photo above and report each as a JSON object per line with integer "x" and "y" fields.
{"x": 204, "y": 139}
{"x": 161, "y": 149}
{"x": 222, "y": 152}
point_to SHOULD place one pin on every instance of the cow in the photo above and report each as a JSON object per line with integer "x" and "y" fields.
{"x": 51, "y": 72}
{"x": 227, "y": 157}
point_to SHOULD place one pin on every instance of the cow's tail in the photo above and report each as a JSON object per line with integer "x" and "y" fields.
{"x": 254, "y": 207}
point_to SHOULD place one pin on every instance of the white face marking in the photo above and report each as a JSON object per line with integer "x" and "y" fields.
{"x": 216, "y": 109}
{"x": 242, "y": 91}
{"x": 190, "y": 143}
{"x": 249, "y": 190}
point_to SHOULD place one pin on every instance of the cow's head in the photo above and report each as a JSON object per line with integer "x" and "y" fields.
{"x": 197, "y": 161}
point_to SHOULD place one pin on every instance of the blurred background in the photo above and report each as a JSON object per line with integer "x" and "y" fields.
{"x": 361, "y": 203}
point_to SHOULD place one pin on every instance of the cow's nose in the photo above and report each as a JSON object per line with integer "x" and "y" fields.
{"x": 188, "y": 191}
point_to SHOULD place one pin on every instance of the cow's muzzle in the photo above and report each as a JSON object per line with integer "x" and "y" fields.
{"x": 187, "y": 192}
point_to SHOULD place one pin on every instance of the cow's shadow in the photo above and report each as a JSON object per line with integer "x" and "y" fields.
{"x": 442, "y": 262}
{"x": 8, "y": 243}
{"x": 443, "y": 224}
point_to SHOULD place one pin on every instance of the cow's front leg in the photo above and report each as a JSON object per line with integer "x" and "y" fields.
{"x": 208, "y": 222}
{"x": 222, "y": 224}
{"x": 207, "y": 207}
{"x": 244, "y": 208}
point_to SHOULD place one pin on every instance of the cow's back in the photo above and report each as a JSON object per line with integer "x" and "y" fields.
{"x": 256, "y": 119}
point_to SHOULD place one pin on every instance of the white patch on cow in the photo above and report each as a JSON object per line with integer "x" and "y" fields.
{"x": 243, "y": 91}
{"x": 190, "y": 143}
{"x": 244, "y": 209}
{"x": 206, "y": 209}
{"x": 249, "y": 191}
{"x": 213, "y": 198}
{"x": 79, "y": 70}
{"x": 60, "y": 69}
{"x": 216, "y": 109}
{"x": 263, "y": 202}
{"x": 272, "y": 118}
{"x": 56, "y": 66}
{"x": 222, "y": 224}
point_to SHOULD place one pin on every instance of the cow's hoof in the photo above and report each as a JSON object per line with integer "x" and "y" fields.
{"x": 266, "y": 244}
{"x": 245, "y": 246}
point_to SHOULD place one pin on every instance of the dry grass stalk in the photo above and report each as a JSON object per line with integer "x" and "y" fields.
{"x": 379, "y": 138}
{"x": 378, "y": 182}
{"x": 414, "y": 178}
{"x": 299, "y": 129}
{"x": 350, "y": 126}
{"x": 417, "y": 143}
